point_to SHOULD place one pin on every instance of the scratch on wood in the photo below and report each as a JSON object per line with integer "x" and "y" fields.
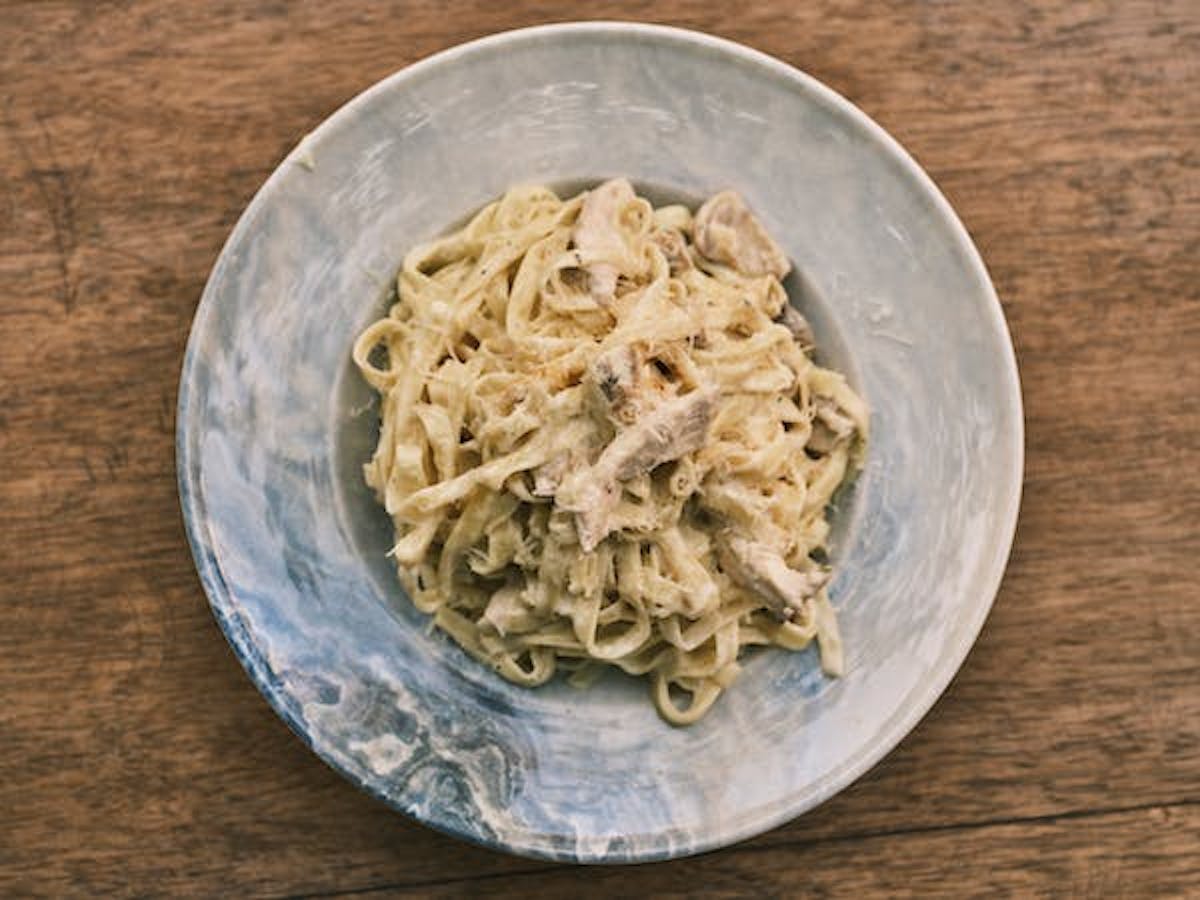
{"x": 58, "y": 188}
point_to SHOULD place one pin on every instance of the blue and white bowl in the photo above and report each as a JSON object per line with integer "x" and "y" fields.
{"x": 274, "y": 424}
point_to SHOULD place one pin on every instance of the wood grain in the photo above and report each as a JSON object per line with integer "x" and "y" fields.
{"x": 135, "y": 757}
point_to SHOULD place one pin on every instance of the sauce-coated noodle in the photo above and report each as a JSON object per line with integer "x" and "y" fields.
{"x": 603, "y": 442}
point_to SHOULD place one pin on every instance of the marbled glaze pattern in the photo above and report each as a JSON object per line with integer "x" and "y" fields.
{"x": 274, "y": 424}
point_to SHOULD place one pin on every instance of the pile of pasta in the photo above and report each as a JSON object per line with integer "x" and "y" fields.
{"x": 604, "y": 442}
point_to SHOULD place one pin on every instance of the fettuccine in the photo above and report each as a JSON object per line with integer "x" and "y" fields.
{"x": 603, "y": 441}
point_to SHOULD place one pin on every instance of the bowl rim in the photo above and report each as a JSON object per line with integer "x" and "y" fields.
{"x": 234, "y": 626}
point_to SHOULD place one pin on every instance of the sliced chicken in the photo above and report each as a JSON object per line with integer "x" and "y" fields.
{"x": 763, "y": 571}
{"x": 674, "y": 247}
{"x": 625, "y": 387}
{"x": 597, "y": 235}
{"x": 617, "y": 373}
{"x": 831, "y": 426}
{"x": 791, "y": 319}
{"x": 833, "y": 418}
{"x": 727, "y": 232}
{"x": 667, "y": 432}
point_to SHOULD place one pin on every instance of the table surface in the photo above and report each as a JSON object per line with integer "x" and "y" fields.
{"x": 135, "y": 755}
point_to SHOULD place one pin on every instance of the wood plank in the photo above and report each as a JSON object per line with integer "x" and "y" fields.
{"x": 1140, "y": 853}
{"x": 135, "y": 753}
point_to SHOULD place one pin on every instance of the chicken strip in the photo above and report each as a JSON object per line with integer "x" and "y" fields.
{"x": 667, "y": 432}
{"x": 626, "y": 387}
{"x": 597, "y": 236}
{"x": 763, "y": 571}
{"x": 831, "y": 426}
{"x": 727, "y": 232}
{"x": 617, "y": 375}
{"x": 802, "y": 333}
{"x": 674, "y": 247}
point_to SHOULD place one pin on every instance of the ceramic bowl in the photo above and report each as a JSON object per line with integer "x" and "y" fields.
{"x": 274, "y": 424}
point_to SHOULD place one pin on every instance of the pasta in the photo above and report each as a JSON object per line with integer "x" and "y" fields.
{"x": 603, "y": 442}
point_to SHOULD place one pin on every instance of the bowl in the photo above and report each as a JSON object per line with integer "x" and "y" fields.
{"x": 274, "y": 424}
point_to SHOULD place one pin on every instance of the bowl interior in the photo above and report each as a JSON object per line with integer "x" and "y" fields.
{"x": 274, "y": 425}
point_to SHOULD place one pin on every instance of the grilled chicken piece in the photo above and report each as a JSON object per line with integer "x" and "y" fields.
{"x": 831, "y": 426}
{"x": 674, "y": 247}
{"x": 763, "y": 571}
{"x": 727, "y": 232}
{"x": 791, "y": 319}
{"x": 616, "y": 374}
{"x": 622, "y": 383}
{"x": 597, "y": 233}
{"x": 834, "y": 419}
{"x": 667, "y": 432}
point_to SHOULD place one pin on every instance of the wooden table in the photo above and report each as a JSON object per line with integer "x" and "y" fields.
{"x": 137, "y": 758}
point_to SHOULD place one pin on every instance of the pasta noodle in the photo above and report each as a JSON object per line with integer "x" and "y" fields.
{"x": 604, "y": 442}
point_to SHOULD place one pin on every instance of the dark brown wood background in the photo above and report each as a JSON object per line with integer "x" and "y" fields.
{"x": 136, "y": 757}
